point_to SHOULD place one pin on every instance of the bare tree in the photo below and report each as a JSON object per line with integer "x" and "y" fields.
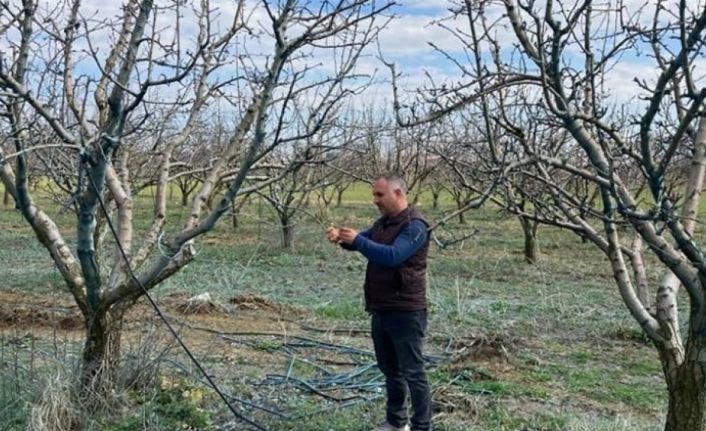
{"x": 340, "y": 168}
{"x": 387, "y": 147}
{"x": 462, "y": 170}
{"x": 563, "y": 55}
{"x": 304, "y": 137}
{"x": 335, "y": 182}
{"x": 290, "y": 194}
{"x": 100, "y": 100}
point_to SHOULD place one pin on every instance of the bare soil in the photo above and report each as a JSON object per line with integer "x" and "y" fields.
{"x": 243, "y": 335}
{"x": 247, "y": 313}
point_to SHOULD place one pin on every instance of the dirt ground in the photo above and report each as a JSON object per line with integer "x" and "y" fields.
{"x": 247, "y": 313}
{"x": 247, "y": 331}
{"x": 202, "y": 325}
{"x": 61, "y": 318}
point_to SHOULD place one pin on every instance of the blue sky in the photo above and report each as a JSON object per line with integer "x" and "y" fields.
{"x": 405, "y": 41}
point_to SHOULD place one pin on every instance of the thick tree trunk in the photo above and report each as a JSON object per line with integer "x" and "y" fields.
{"x": 287, "y": 230}
{"x": 529, "y": 230}
{"x": 685, "y": 410}
{"x": 184, "y": 196}
{"x": 101, "y": 353}
{"x": 287, "y": 234}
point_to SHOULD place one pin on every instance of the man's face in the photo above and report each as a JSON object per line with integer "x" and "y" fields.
{"x": 386, "y": 197}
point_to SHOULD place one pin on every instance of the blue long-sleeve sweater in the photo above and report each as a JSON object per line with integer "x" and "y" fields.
{"x": 402, "y": 248}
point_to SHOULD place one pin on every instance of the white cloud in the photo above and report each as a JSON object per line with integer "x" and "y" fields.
{"x": 412, "y": 34}
{"x": 620, "y": 81}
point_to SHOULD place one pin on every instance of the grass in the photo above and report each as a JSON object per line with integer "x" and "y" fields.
{"x": 575, "y": 359}
{"x": 345, "y": 311}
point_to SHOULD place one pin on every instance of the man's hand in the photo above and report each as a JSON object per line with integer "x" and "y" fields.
{"x": 333, "y": 234}
{"x": 347, "y": 235}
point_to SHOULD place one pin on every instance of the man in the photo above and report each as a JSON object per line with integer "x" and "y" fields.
{"x": 396, "y": 247}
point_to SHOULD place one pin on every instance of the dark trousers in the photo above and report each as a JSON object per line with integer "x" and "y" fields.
{"x": 398, "y": 339}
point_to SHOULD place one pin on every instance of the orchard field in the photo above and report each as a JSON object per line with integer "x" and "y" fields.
{"x": 511, "y": 346}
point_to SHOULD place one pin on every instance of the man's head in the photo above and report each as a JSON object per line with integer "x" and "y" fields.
{"x": 390, "y": 194}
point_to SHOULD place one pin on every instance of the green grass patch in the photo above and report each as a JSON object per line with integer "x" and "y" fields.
{"x": 341, "y": 311}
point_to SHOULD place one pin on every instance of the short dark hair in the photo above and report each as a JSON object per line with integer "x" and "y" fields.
{"x": 394, "y": 178}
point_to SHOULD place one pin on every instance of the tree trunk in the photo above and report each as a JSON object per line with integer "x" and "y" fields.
{"x": 184, "y": 196}
{"x": 101, "y": 353}
{"x": 435, "y": 199}
{"x": 685, "y": 410}
{"x": 339, "y": 197}
{"x": 6, "y": 198}
{"x": 529, "y": 229}
{"x": 234, "y": 214}
{"x": 287, "y": 233}
{"x": 462, "y": 214}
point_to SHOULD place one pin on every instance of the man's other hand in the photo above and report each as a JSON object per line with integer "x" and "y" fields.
{"x": 333, "y": 234}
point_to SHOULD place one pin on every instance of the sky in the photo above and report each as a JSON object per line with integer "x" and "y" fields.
{"x": 406, "y": 41}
